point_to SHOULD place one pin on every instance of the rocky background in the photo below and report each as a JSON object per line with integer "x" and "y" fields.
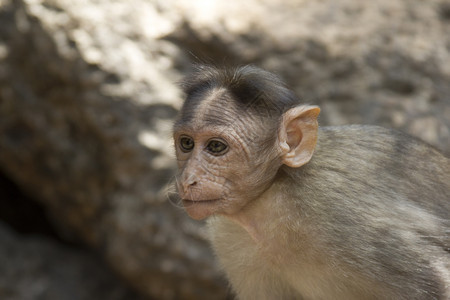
{"x": 88, "y": 93}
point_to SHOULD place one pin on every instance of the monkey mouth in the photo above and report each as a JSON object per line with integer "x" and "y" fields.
{"x": 201, "y": 209}
{"x": 195, "y": 201}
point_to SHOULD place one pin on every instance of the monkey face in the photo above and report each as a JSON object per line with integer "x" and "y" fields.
{"x": 219, "y": 170}
{"x": 234, "y": 131}
{"x": 224, "y": 165}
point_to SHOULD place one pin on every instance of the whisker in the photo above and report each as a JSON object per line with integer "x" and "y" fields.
{"x": 172, "y": 194}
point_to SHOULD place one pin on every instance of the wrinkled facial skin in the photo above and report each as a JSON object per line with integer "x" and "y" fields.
{"x": 220, "y": 169}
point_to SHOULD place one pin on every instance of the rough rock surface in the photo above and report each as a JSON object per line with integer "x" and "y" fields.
{"x": 88, "y": 93}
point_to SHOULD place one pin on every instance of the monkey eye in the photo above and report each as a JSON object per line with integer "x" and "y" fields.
{"x": 186, "y": 144}
{"x": 216, "y": 147}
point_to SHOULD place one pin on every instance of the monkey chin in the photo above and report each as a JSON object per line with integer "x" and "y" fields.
{"x": 200, "y": 209}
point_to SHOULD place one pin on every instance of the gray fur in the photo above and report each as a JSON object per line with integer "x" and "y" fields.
{"x": 366, "y": 218}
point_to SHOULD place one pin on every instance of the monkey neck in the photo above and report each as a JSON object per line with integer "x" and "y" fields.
{"x": 254, "y": 217}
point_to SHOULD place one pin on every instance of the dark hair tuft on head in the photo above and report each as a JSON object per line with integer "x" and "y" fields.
{"x": 251, "y": 87}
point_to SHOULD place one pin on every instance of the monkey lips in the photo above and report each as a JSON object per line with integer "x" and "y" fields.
{"x": 200, "y": 209}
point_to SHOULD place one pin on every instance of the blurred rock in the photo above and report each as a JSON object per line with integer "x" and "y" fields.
{"x": 91, "y": 141}
{"x": 37, "y": 268}
{"x": 88, "y": 94}
{"x": 383, "y": 62}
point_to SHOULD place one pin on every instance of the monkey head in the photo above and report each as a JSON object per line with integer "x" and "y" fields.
{"x": 237, "y": 127}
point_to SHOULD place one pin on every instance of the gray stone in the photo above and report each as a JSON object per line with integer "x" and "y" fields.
{"x": 34, "y": 267}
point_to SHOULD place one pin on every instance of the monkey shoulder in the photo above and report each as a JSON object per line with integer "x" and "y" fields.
{"x": 375, "y": 138}
{"x": 382, "y": 160}
{"x": 378, "y": 177}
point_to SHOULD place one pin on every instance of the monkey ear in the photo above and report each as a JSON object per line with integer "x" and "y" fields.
{"x": 298, "y": 135}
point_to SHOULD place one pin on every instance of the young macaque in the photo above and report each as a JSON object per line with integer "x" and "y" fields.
{"x": 301, "y": 212}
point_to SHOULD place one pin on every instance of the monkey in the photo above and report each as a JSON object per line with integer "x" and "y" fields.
{"x": 298, "y": 211}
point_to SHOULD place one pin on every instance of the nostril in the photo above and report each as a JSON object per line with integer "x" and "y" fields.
{"x": 188, "y": 184}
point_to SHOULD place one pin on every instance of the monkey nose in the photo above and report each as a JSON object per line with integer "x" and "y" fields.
{"x": 189, "y": 183}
